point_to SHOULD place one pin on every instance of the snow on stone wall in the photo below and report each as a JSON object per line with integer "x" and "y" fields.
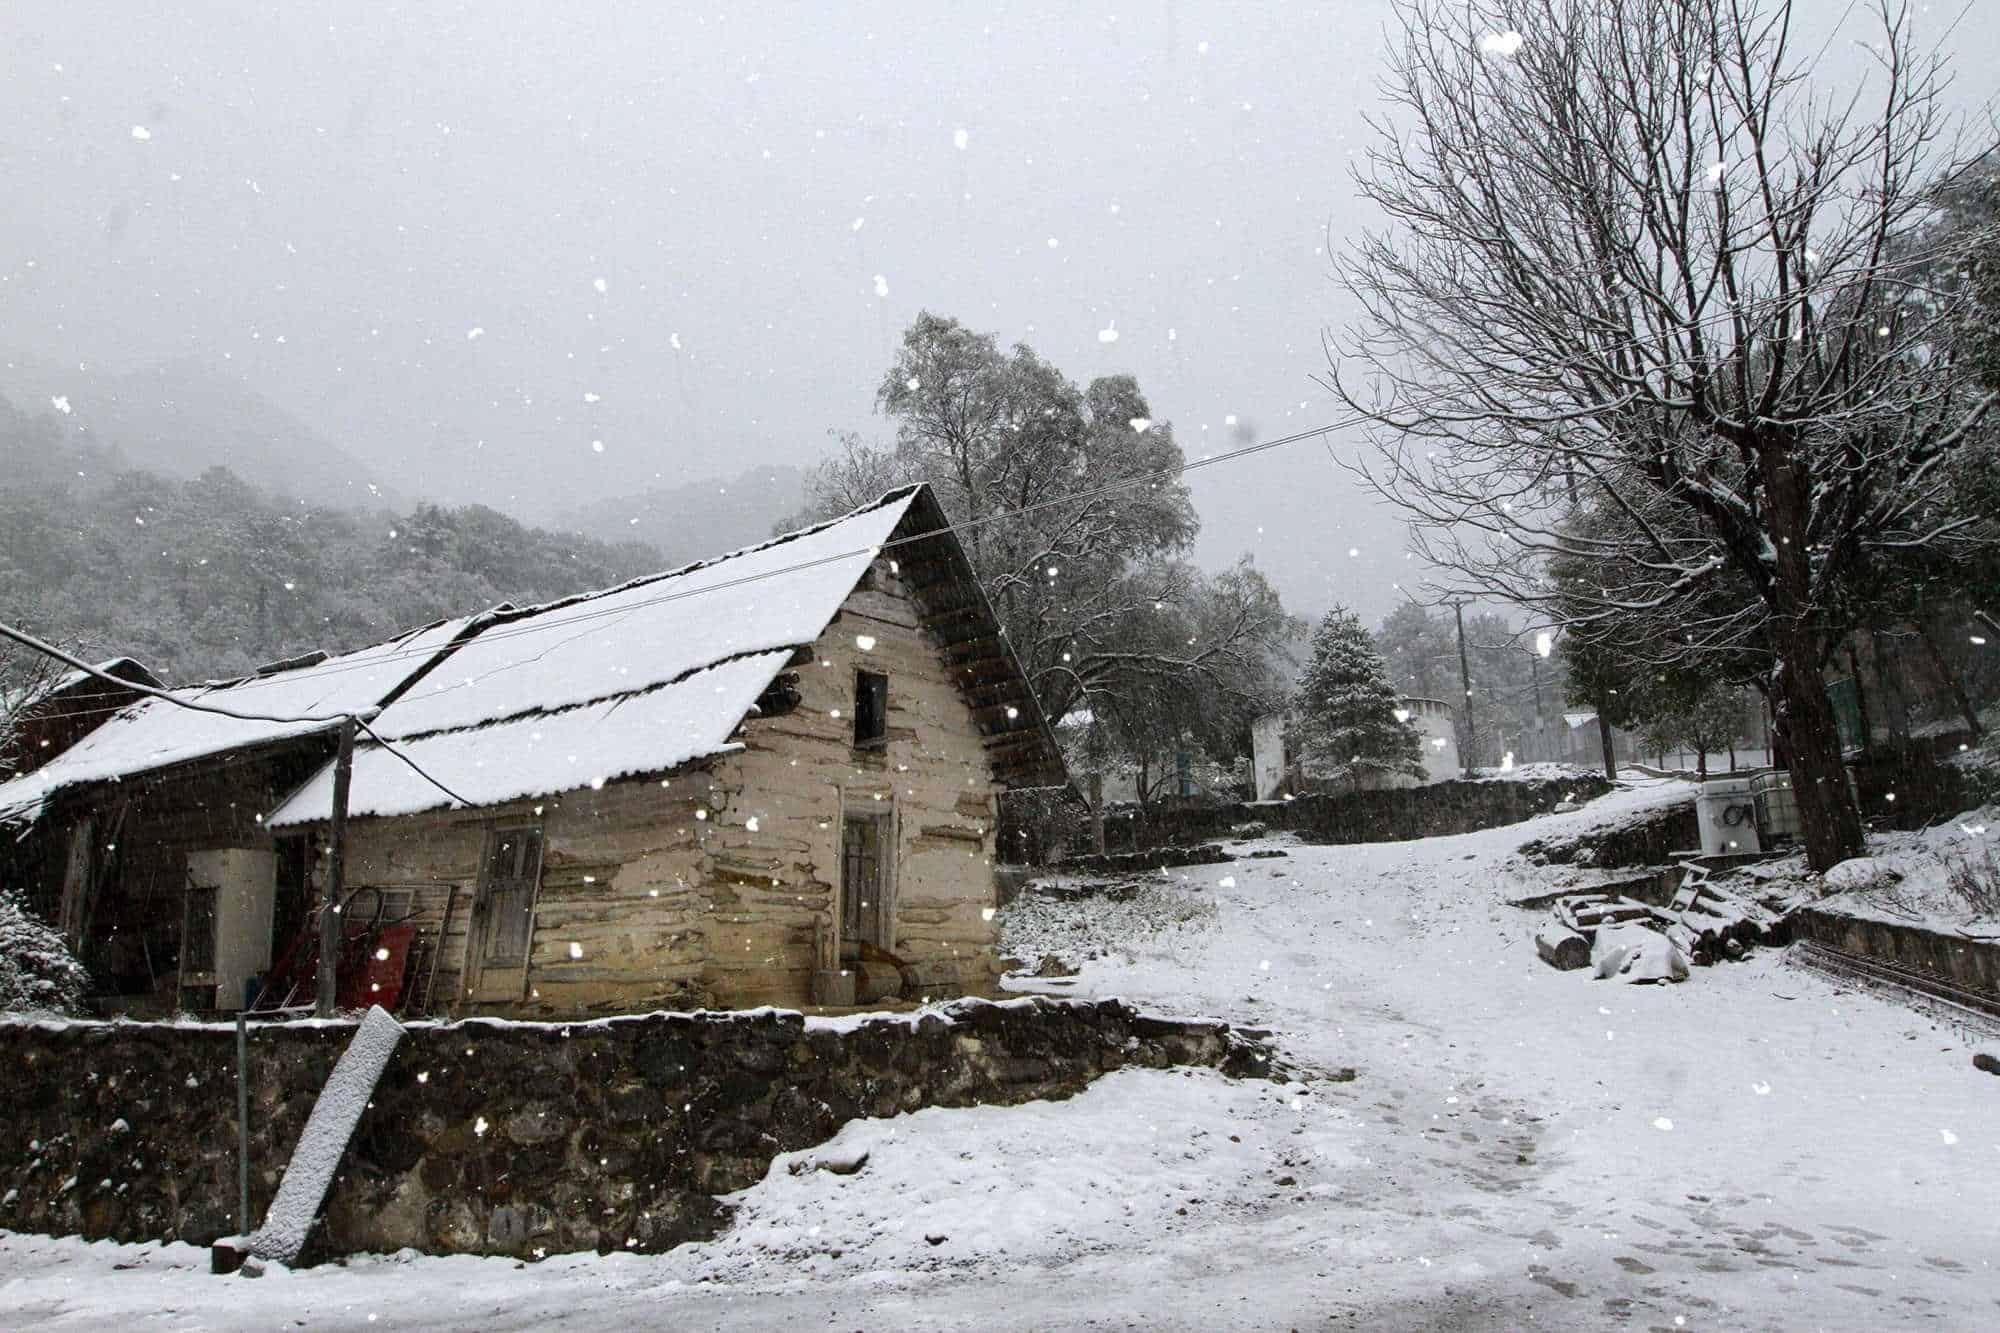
{"x": 1439, "y": 809}
{"x": 527, "y": 1139}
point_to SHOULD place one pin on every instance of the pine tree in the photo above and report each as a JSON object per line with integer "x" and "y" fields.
{"x": 1347, "y": 707}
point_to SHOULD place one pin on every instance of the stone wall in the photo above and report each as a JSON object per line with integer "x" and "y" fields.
{"x": 1974, "y": 964}
{"x": 525, "y": 1139}
{"x": 1648, "y": 841}
{"x": 1437, "y": 810}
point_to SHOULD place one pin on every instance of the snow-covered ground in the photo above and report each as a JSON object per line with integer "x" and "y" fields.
{"x": 1516, "y": 1147}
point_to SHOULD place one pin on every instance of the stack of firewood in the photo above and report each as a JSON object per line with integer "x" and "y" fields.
{"x": 1706, "y": 923}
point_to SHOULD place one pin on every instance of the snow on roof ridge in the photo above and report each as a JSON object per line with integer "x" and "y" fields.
{"x": 568, "y": 706}
{"x": 265, "y": 673}
{"x": 883, "y": 501}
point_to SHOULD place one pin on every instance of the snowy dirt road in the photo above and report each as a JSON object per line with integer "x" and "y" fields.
{"x": 1517, "y": 1147}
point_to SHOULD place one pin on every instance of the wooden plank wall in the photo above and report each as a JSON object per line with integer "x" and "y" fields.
{"x": 932, "y": 776}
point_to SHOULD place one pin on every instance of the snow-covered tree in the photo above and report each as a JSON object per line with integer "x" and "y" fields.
{"x": 1638, "y": 260}
{"x": 1071, "y": 515}
{"x": 38, "y": 975}
{"x": 1347, "y": 707}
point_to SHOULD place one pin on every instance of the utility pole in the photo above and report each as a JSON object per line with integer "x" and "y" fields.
{"x": 1541, "y": 735}
{"x": 1466, "y": 760}
{"x": 336, "y": 867}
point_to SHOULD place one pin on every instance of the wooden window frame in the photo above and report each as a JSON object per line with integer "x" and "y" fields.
{"x": 866, "y": 684}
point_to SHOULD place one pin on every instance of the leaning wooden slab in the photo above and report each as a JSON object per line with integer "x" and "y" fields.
{"x": 320, "y": 1147}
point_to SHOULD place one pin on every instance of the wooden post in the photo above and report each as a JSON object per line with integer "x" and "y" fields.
{"x": 336, "y": 856}
{"x": 243, "y": 1224}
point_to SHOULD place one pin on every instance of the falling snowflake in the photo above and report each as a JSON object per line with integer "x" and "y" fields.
{"x": 597, "y": 446}
{"x": 60, "y": 403}
{"x": 474, "y": 333}
{"x": 865, "y": 642}
{"x": 1504, "y": 44}
{"x": 600, "y": 284}
{"x": 674, "y": 341}
{"x": 960, "y": 138}
{"x": 881, "y": 285}
{"x": 1109, "y": 333}
{"x": 1662, "y": 1123}
{"x": 141, "y": 133}
{"x": 1140, "y": 425}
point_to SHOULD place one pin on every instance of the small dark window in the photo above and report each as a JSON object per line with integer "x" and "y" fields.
{"x": 871, "y": 708}
{"x": 780, "y": 697}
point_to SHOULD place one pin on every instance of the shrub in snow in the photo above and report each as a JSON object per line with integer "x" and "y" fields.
{"x": 38, "y": 975}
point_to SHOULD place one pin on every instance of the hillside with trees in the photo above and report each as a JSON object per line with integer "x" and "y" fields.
{"x": 212, "y": 577}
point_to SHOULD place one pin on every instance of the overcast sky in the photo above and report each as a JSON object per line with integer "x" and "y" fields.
{"x": 431, "y": 230}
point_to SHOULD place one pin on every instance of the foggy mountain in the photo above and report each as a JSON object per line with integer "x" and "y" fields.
{"x": 181, "y": 417}
{"x": 696, "y": 519}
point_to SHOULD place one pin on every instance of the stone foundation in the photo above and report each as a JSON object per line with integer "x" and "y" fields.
{"x": 1971, "y": 963}
{"x": 518, "y": 1138}
{"x": 1648, "y": 841}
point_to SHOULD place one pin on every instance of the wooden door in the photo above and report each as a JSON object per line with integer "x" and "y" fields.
{"x": 504, "y": 921}
{"x": 864, "y": 881}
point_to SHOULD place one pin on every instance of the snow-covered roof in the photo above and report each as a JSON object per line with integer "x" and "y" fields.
{"x": 154, "y": 733}
{"x": 1575, "y": 720}
{"x": 126, "y": 668}
{"x": 540, "y": 754}
{"x": 637, "y": 679}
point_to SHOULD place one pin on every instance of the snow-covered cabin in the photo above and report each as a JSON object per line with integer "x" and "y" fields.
{"x": 769, "y": 778}
{"x": 765, "y": 778}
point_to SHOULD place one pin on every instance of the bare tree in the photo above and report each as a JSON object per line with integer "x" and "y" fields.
{"x": 1637, "y": 263}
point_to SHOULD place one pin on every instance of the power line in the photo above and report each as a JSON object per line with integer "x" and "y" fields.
{"x": 27, "y": 640}
{"x": 415, "y": 767}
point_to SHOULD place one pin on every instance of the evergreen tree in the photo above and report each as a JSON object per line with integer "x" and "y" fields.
{"x": 1347, "y": 707}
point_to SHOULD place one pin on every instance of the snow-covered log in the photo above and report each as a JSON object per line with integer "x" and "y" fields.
{"x": 1561, "y": 947}
{"x": 320, "y": 1147}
